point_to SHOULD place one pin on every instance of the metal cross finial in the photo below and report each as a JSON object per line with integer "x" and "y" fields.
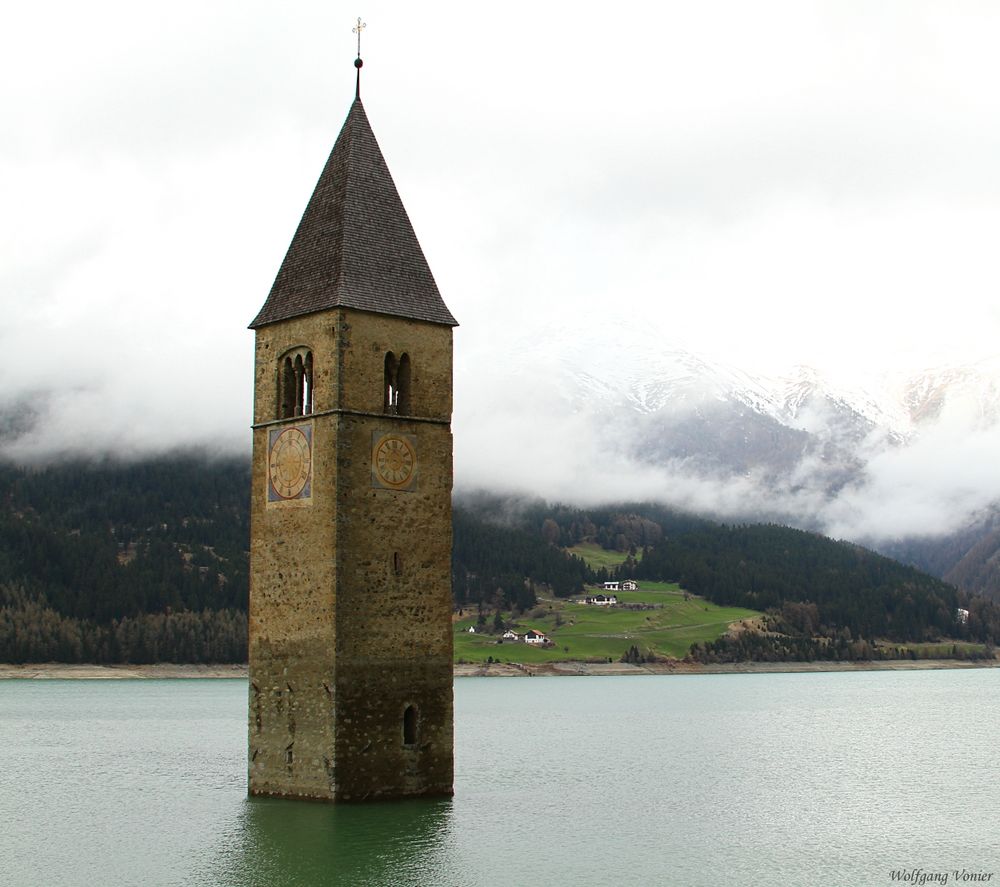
{"x": 357, "y": 29}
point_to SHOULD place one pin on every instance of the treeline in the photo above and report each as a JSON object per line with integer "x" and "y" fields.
{"x": 503, "y": 566}
{"x": 117, "y": 562}
{"x": 624, "y": 528}
{"x": 762, "y": 647}
{"x": 31, "y": 631}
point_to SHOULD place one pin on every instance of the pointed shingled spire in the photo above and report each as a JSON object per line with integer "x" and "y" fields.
{"x": 355, "y": 246}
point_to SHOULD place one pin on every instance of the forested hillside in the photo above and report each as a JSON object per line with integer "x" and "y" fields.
{"x": 147, "y": 561}
{"x": 110, "y": 562}
{"x": 836, "y": 597}
{"x": 763, "y": 567}
{"x": 825, "y": 599}
{"x": 504, "y": 566}
{"x": 969, "y": 558}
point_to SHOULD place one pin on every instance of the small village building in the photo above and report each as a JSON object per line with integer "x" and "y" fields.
{"x": 611, "y": 586}
{"x": 603, "y": 600}
{"x": 536, "y": 637}
{"x": 472, "y": 629}
{"x": 629, "y": 585}
{"x": 511, "y": 635}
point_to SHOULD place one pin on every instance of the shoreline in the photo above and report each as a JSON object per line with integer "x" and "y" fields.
{"x": 690, "y": 668}
{"x": 166, "y": 671}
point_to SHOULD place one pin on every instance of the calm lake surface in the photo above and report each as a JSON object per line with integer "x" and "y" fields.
{"x": 799, "y": 779}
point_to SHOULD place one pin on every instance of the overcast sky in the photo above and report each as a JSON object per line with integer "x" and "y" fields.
{"x": 770, "y": 183}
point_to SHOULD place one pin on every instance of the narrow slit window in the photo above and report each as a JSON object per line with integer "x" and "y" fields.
{"x": 410, "y": 724}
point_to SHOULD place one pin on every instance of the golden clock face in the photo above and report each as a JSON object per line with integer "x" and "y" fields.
{"x": 394, "y": 461}
{"x": 289, "y": 464}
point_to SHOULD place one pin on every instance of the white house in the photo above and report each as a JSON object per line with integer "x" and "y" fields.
{"x": 472, "y": 629}
{"x": 611, "y": 586}
{"x": 603, "y": 600}
{"x": 535, "y": 637}
{"x": 629, "y": 585}
{"x": 510, "y": 635}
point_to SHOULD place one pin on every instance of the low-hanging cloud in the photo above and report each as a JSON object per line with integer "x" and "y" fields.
{"x": 520, "y": 433}
{"x": 947, "y": 476}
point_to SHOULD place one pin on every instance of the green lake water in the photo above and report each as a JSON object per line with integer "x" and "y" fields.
{"x": 804, "y": 779}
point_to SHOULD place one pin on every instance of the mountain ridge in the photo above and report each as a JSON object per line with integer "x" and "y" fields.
{"x": 650, "y": 375}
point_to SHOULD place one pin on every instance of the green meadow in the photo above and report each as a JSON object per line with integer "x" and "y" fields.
{"x": 587, "y": 632}
{"x": 597, "y": 557}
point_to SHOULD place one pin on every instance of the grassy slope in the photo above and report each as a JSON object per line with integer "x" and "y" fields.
{"x": 599, "y": 633}
{"x": 597, "y": 557}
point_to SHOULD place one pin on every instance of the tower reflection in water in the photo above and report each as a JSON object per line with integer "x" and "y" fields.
{"x": 296, "y": 844}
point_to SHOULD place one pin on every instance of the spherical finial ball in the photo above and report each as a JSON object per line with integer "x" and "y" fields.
{"x": 358, "y": 63}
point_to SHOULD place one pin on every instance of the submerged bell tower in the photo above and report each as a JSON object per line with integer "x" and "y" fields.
{"x": 350, "y": 639}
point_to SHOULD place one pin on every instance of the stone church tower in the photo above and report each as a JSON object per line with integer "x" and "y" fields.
{"x": 350, "y": 552}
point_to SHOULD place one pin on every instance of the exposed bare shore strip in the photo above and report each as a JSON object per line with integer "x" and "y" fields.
{"x": 62, "y": 671}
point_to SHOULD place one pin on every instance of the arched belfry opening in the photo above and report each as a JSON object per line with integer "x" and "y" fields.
{"x": 295, "y": 383}
{"x": 396, "y": 385}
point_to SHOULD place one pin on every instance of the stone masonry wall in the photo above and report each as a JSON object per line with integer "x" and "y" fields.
{"x": 292, "y": 585}
{"x": 350, "y": 590}
{"x": 394, "y": 640}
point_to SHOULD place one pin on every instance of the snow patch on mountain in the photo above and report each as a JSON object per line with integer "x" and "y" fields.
{"x": 619, "y": 369}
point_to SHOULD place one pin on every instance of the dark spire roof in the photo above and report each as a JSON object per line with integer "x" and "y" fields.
{"x": 355, "y": 246}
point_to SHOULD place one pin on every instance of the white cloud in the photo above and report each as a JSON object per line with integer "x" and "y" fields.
{"x": 946, "y": 477}
{"x": 776, "y": 183}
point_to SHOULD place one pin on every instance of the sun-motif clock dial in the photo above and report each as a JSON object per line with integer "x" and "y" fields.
{"x": 290, "y": 463}
{"x": 394, "y": 461}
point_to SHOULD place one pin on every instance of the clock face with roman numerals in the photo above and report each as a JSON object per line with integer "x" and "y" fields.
{"x": 394, "y": 461}
{"x": 289, "y": 463}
